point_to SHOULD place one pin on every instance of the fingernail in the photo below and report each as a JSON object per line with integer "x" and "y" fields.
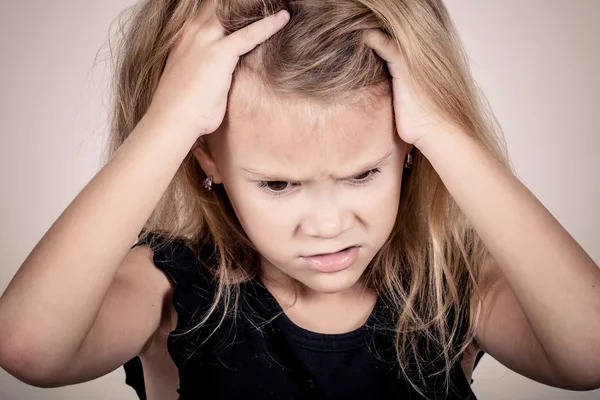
{"x": 283, "y": 14}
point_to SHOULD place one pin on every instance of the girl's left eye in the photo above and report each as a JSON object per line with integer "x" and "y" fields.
{"x": 366, "y": 176}
{"x": 279, "y": 188}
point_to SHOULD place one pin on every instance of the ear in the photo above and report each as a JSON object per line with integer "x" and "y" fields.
{"x": 203, "y": 155}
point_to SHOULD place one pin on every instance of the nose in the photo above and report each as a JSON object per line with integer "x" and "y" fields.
{"x": 327, "y": 220}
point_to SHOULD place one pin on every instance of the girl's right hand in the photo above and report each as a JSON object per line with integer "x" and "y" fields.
{"x": 193, "y": 89}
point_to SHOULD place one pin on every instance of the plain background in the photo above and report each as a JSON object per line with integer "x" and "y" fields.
{"x": 538, "y": 62}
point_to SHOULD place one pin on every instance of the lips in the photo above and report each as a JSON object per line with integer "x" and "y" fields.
{"x": 333, "y": 262}
{"x": 333, "y": 252}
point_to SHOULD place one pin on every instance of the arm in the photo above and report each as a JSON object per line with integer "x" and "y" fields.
{"x": 128, "y": 321}
{"x": 51, "y": 304}
{"x": 546, "y": 312}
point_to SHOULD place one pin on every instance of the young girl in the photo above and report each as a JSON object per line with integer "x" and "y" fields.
{"x": 324, "y": 209}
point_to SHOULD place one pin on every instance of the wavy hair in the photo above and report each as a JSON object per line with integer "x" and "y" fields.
{"x": 429, "y": 268}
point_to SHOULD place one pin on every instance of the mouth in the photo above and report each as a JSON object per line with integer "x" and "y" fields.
{"x": 326, "y": 254}
{"x": 333, "y": 262}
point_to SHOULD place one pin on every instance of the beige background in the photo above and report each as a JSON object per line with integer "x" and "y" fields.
{"x": 538, "y": 61}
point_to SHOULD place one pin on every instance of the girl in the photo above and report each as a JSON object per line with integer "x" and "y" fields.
{"x": 324, "y": 209}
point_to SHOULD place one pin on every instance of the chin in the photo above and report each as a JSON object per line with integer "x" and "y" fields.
{"x": 332, "y": 283}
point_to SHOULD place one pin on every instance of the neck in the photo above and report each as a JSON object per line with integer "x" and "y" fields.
{"x": 320, "y": 312}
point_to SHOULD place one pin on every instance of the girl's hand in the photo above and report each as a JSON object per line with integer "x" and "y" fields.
{"x": 193, "y": 89}
{"x": 415, "y": 119}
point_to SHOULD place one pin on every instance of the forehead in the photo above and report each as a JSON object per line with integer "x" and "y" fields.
{"x": 268, "y": 133}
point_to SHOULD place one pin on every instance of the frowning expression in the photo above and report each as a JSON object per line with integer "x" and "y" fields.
{"x": 306, "y": 180}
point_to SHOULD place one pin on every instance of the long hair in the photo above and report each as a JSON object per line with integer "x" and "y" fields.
{"x": 429, "y": 268}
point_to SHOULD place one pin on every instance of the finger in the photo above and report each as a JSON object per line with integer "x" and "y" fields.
{"x": 386, "y": 48}
{"x": 248, "y": 38}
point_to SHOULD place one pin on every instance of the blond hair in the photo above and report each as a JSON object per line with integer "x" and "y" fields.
{"x": 429, "y": 267}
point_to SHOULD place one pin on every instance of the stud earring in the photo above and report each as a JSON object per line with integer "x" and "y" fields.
{"x": 208, "y": 183}
{"x": 409, "y": 161}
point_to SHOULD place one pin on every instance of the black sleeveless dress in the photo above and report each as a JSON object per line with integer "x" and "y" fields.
{"x": 262, "y": 354}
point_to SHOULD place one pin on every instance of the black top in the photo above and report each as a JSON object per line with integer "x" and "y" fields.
{"x": 263, "y": 354}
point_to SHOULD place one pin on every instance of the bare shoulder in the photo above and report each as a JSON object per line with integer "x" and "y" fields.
{"x": 161, "y": 376}
{"x": 139, "y": 267}
{"x": 156, "y": 287}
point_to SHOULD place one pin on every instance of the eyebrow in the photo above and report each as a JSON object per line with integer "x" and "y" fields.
{"x": 279, "y": 177}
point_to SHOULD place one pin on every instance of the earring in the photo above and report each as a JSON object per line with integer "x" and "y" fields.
{"x": 409, "y": 161}
{"x": 208, "y": 183}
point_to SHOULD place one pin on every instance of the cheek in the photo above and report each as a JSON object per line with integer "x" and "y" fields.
{"x": 380, "y": 215}
{"x": 262, "y": 222}
{"x": 384, "y": 206}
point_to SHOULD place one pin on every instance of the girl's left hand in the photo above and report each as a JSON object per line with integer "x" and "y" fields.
{"x": 415, "y": 119}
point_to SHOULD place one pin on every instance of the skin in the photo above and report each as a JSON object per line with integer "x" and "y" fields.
{"x": 552, "y": 347}
{"x": 541, "y": 309}
{"x": 331, "y": 203}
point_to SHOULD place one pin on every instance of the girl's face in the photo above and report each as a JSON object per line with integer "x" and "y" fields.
{"x": 308, "y": 181}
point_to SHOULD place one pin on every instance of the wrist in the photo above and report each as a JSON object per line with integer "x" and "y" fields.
{"x": 177, "y": 128}
{"x": 427, "y": 142}
{"x": 167, "y": 131}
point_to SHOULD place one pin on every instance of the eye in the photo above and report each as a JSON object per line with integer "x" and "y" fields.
{"x": 366, "y": 177}
{"x": 280, "y": 188}
{"x": 276, "y": 188}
